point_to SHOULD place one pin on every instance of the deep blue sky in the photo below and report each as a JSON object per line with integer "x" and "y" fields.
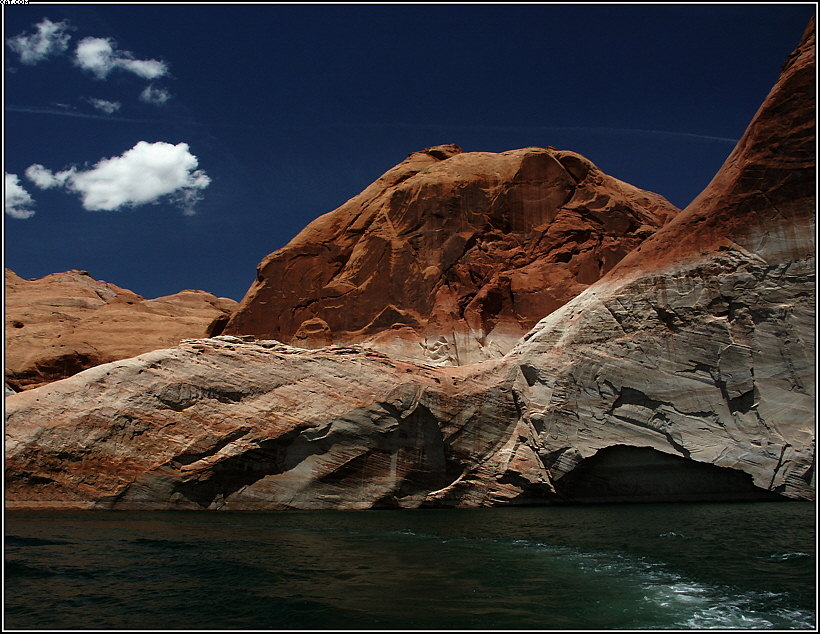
{"x": 291, "y": 110}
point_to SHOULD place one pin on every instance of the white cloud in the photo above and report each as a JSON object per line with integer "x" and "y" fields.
{"x": 18, "y": 201}
{"x": 99, "y": 55}
{"x": 144, "y": 174}
{"x": 108, "y": 107}
{"x": 50, "y": 39}
{"x": 155, "y": 96}
{"x": 95, "y": 54}
{"x": 46, "y": 179}
{"x": 145, "y": 68}
{"x": 186, "y": 199}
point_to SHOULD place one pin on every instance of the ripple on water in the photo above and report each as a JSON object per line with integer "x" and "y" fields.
{"x": 647, "y": 567}
{"x": 700, "y": 606}
{"x": 17, "y": 540}
{"x": 162, "y": 543}
{"x": 787, "y": 556}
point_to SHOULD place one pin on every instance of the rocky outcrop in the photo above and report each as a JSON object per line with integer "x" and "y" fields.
{"x": 686, "y": 373}
{"x": 63, "y": 323}
{"x": 226, "y": 423}
{"x": 700, "y": 343}
{"x": 450, "y": 257}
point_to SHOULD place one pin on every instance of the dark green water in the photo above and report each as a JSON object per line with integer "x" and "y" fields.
{"x": 654, "y": 566}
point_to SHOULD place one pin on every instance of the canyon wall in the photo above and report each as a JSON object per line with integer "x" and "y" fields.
{"x": 684, "y": 373}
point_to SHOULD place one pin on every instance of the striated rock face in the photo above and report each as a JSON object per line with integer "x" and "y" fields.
{"x": 63, "y": 323}
{"x": 686, "y": 373}
{"x": 701, "y": 342}
{"x": 226, "y": 423}
{"x": 450, "y": 257}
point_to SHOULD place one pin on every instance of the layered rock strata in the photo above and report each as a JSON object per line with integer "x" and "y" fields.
{"x": 686, "y": 373}
{"x": 450, "y": 257}
{"x": 63, "y": 323}
{"x": 701, "y": 343}
{"x": 233, "y": 424}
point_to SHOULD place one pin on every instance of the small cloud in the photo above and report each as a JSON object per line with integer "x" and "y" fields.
{"x": 144, "y": 174}
{"x": 50, "y": 39}
{"x": 18, "y": 200}
{"x": 155, "y": 96}
{"x": 186, "y": 200}
{"x": 145, "y": 68}
{"x": 96, "y": 55}
{"x": 99, "y": 55}
{"x": 108, "y": 107}
{"x": 44, "y": 178}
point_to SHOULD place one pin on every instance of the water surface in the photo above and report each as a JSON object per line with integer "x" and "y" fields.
{"x": 642, "y": 566}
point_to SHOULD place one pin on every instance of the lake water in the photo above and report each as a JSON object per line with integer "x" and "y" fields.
{"x": 650, "y": 566}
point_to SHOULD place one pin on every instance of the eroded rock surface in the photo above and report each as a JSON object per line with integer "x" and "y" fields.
{"x": 233, "y": 424}
{"x": 450, "y": 257}
{"x": 66, "y": 322}
{"x": 686, "y": 373}
{"x": 701, "y": 343}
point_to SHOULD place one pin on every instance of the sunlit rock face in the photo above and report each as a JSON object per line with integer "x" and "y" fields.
{"x": 701, "y": 343}
{"x": 238, "y": 424}
{"x": 63, "y": 323}
{"x": 685, "y": 373}
{"x": 450, "y": 257}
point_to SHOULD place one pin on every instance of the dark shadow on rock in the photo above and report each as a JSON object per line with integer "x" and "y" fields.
{"x": 624, "y": 473}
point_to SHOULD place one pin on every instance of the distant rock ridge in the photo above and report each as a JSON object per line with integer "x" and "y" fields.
{"x": 63, "y": 323}
{"x": 450, "y": 257}
{"x": 686, "y": 373}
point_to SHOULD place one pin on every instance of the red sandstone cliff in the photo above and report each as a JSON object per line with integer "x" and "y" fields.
{"x": 450, "y": 257}
{"x": 63, "y": 323}
{"x": 766, "y": 184}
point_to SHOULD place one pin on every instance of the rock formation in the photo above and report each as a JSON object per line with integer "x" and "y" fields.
{"x": 66, "y": 322}
{"x": 227, "y": 423}
{"x": 450, "y": 257}
{"x": 685, "y": 373}
{"x": 701, "y": 342}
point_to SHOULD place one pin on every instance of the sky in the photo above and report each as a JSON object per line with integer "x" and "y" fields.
{"x": 168, "y": 147}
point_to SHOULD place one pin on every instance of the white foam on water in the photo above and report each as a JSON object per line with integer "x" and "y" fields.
{"x": 688, "y": 603}
{"x": 726, "y": 617}
{"x": 672, "y": 534}
{"x": 741, "y": 613}
{"x": 695, "y": 605}
{"x": 785, "y": 556}
{"x": 684, "y": 603}
{"x": 800, "y": 620}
